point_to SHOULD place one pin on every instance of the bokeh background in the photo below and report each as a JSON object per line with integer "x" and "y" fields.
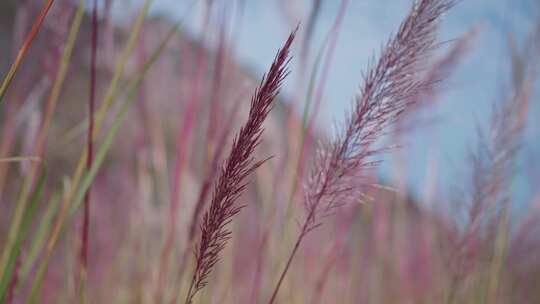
{"x": 471, "y": 90}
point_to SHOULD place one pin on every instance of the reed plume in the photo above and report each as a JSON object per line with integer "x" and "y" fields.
{"x": 237, "y": 167}
{"x": 387, "y": 91}
{"x": 493, "y": 165}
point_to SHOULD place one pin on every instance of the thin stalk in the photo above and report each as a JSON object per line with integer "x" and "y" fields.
{"x": 8, "y": 278}
{"x": 90, "y": 153}
{"x": 36, "y": 245}
{"x": 499, "y": 255}
{"x": 17, "y": 159}
{"x": 289, "y": 262}
{"x": 24, "y": 48}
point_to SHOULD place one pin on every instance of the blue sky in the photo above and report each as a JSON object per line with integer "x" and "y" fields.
{"x": 465, "y": 101}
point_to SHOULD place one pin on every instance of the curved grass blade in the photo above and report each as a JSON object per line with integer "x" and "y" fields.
{"x": 24, "y": 228}
{"x": 24, "y": 49}
{"x": 17, "y": 159}
{"x": 39, "y": 239}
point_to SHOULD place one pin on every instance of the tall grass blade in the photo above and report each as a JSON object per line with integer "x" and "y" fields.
{"x": 24, "y": 49}
{"x": 27, "y": 220}
{"x": 40, "y": 237}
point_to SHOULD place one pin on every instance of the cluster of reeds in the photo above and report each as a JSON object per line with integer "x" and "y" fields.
{"x": 130, "y": 219}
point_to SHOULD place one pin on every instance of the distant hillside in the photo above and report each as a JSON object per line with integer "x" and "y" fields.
{"x": 160, "y": 108}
